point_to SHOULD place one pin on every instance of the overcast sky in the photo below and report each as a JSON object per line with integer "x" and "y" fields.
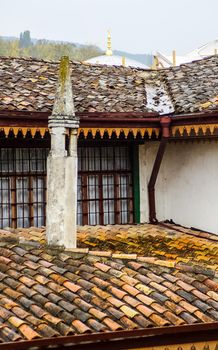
{"x": 137, "y": 26}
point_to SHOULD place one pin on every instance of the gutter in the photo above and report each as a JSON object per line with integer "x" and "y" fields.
{"x": 165, "y": 125}
{"x": 100, "y": 119}
{"x": 124, "y": 339}
{"x": 112, "y": 119}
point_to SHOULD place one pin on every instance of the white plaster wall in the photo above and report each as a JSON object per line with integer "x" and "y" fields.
{"x": 187, "y": 185}
{"x": 147, "y": 154}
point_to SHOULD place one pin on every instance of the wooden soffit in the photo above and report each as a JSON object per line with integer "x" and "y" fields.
{"x": 85, "y": 132}
{"x": 194, "y": 129}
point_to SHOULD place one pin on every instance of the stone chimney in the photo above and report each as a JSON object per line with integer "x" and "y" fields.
{"x": 62, "y": 165}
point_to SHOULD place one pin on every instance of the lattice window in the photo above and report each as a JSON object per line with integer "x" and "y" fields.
{"x": 22, "y": 186}
{"x": 104, "y": 185}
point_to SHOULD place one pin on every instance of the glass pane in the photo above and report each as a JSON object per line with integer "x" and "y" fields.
{"x": 101, "y": 166}
{"x": 79, "y": 201}
{"x": 5, "y": 200}
{"x": 6, "y": 164}
{"x": 107, "y": 159}
{"x": 93, "y": 194}
{"x": 22, "y": 202}
{"x": 108, "y": 192}
{"x": 38, "y": 201}
{"x": 22, "y": 160}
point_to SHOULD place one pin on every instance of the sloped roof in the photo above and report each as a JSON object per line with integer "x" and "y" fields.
{"x": 191, "y": 86}
{"x": 29, "y": 85}
{"x": 46, "y": 292}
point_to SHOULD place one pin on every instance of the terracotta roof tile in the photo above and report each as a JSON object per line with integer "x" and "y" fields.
{"x": 29, "y": 85}
{"x": 4, "y": 313}
{"x": 82, "y": 304}
{"x": 144, "y": 310}
{"x": 19, "y": 312}
{"x": 96, "y": 88}
{"x": 81, "y": 315}
{"x": 209, "y": 283}
{"x": 131, "y": 290}
{"x": 159, "y": 320}
{"x": 113, "y": 326}
{"x": 131, "y": 301}
{"x": 145, "y": 299}
{"x": 80, "y": 294}
{"x": 64, "y": 330}
{"x": 46, "y": 331}
{"x": 142, "y": 321}
{"x": 80, "y": 327}
{"x": 96, "y": 301}
{"x": 128, "y": 323}
{"x": 97, "y": 326}
{"x": 116, "y": 292}
{"x": 71, "y": 286}
{"x": 115, "y": 302}
{"x": 173, "y": 319}
{"x": 8, "y": 334}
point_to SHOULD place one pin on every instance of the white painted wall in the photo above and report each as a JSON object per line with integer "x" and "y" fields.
{"x": 187, "y": 185}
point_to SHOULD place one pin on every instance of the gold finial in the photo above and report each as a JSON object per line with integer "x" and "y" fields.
{"x": 174, "y": 58}
{"x": 109, "y": 50}
{"x": 123, "y": 61}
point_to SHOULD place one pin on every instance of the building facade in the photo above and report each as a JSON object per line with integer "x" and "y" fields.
{"x": 124, "y": 143}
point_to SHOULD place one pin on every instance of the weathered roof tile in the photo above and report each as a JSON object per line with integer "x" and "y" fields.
{"x": 107, "y": 294}
{"x": 29, "y": 85}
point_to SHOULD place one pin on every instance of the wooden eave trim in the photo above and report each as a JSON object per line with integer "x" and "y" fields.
{"x": 195, "y": 121}
{"x": 128, "y": 338}
{"x": 31, "y": 119}
{"x": 197, "y": 115}
{"x": 112, "y": 117}
{"x": 97, "y": 114}
{"x": 118, "y": 121}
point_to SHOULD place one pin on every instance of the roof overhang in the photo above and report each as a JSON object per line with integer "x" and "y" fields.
{"x": 110, "y": 124}
{"x": 102, "y": 124}
{"x": 189, "y": 335}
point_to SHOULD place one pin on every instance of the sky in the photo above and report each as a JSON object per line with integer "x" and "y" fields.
{"x": 137, "y": 26}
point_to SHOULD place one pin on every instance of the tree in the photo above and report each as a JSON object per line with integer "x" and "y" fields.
{"x": 25, "y": 39}
{"x": 45, "y": 49}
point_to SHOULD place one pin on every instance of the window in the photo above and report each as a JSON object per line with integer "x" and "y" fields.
{"x": 104, "y": 185}
{"x": 22, "y": 186}
{"x": 105, "y": 194}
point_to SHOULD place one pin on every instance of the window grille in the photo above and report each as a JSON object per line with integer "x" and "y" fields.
{"x": 105, "y": 193}
{"x": 104, "y": 185}
{"x": 22, "y": 186}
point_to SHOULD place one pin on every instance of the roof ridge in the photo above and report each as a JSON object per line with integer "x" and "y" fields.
{"x": 188, "y": 63}
{"x": 194, "y": 231}
{"x": 84, "y": 63}
{"x": 27, "y": 59}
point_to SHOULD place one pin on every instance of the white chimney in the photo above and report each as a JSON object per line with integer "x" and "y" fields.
{"x": 62, "y": 165}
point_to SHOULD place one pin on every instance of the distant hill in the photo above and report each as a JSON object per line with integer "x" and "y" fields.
{"x": 140, "y": 57}
{"x": 143, "y": 58}
{"x": 34, "y": 41}
{"x": 9, "y": 38}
